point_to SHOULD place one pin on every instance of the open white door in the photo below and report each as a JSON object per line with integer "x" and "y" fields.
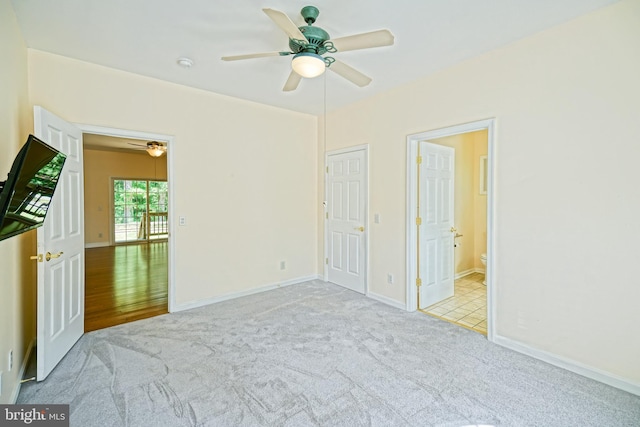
{"x": 61, "y": 277}
{"x": 347, "y": 218}
{"x": 436, "y": 207}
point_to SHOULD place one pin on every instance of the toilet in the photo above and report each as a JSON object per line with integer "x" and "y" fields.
{"x": 483, "y": 260}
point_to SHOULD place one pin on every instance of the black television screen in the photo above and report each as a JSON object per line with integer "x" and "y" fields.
{"x": 26, "y": 194}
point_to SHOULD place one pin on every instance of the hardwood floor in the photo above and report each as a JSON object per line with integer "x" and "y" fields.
{"x": 125, "y": 283}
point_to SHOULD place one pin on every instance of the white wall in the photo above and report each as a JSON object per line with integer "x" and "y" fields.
{"x": 17, "y": 315}
{"x": 244, "y": 174}
{"x": 566, "y": 196}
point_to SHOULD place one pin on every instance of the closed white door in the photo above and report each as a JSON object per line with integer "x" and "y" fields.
{"x": 60, "y": 313}
{"x": 347, "y": 219}
{"x": 436, "y": 232}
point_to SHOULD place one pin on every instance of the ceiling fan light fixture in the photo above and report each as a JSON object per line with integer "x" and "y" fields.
{"x": 155, "y": 150}
{"x": 308, "y": 64}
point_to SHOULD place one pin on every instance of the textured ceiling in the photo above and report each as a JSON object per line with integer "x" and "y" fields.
{"x": 148, "y": 36}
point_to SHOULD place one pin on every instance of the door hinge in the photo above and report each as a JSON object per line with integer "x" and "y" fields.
{"x": 419, "y": 160}
{"x": 327, "y": 169}
{"x": 326, "y": 261}
{"x": 418, "y": 221}
{"x": 327, "y": 215}
{"x": 418, "y": 282}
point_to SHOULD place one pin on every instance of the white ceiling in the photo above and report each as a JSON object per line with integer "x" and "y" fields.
{"x": 147, "y": 36}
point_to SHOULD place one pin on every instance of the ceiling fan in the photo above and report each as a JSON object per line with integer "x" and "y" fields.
{"x": 154, "y": 148}
{"x": 309, "y": 43}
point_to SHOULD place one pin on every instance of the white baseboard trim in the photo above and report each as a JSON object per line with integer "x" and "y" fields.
{"x": 387, "y": 300}
{"x": 96, "y": 245}
{"x": 570, "y": 365}
{"x": 233, "y": 295}
{"x": 23, "y": 369}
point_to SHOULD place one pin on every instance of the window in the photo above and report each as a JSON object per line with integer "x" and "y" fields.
{"x": 139, "y": 210}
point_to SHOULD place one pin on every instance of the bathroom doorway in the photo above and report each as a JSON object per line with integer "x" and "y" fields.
{"x": 467, "y": 307}
{"x": 469, "y": 304}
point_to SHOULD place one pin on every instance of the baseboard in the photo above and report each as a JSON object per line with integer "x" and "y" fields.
{"x": 570, "y": 365}
{"x": 233, "y": 295}
{"x": 468, "y": 272}
{"x": 96, "y": 245}
{"x": 386, "y": 300}
{"x": 464, "y": 273}
{"x": 23, "y": 369}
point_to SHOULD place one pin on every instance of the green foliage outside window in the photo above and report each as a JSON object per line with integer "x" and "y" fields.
{"x": 132, "y": 200}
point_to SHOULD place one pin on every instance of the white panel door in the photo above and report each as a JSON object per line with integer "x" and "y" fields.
{"x": 347, "y": 213}
{"x": 61, "y": 279}
{"x": 436, "y": 204}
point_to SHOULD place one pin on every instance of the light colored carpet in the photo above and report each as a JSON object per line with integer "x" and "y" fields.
{"x": 316, "y": 354}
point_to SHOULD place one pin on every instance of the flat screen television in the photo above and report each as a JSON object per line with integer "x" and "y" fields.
{"x": 27, "y": 193}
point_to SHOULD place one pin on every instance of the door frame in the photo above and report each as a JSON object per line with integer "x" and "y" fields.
{"x": 365, "y": 148}
{"x": 411, "y": 232}
{"x": 170, "y": 141}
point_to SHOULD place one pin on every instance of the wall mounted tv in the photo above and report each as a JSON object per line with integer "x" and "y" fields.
{"x": 27, "y": 193}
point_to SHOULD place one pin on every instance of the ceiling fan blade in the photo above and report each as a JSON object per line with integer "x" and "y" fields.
{"x": 285, "y": 23}
{"x": 254, "y": 55}
{"x": 292, "y": 82}
{"x": 364, "y": 40}
{"x": 350, "y": 73}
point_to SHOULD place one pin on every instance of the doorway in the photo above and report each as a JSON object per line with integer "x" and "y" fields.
{"x": 474, "y": 201}
{"x": 466, "y": 303}
{"x": 128, "y": 222}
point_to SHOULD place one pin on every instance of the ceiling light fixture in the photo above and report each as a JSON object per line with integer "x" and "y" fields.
{"x": 155, "y": 149}
{"x": 185, "y": 62}
{"x": 308, "y": 64}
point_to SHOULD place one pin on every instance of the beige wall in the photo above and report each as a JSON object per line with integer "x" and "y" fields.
{"x": 480, "y": 147}
{"x": 243, "y": 174}
{"x": 566, "y": 194}
{"x": 469, "y": 218}
{"x": 99, "y": 168}
{"x": 17, "y": 273}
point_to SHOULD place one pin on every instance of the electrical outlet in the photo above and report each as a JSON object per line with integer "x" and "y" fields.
{"x": 10, "y": 360}
{"x": 182, "y": 221}
{"x": 283, "y": 265}
{"x": 390, "y": 278}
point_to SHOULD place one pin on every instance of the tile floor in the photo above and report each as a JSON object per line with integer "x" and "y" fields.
{"x": 468, "y": 305}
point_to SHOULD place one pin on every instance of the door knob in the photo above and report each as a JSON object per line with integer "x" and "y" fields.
{"x": 453, "y": 229}
{"x": 361, "y": 229}
{"x": 49, "y": 255}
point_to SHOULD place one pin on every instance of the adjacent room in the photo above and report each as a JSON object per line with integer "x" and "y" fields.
{"x": 273, "y": 265}
{"x": 126, "y": 230}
